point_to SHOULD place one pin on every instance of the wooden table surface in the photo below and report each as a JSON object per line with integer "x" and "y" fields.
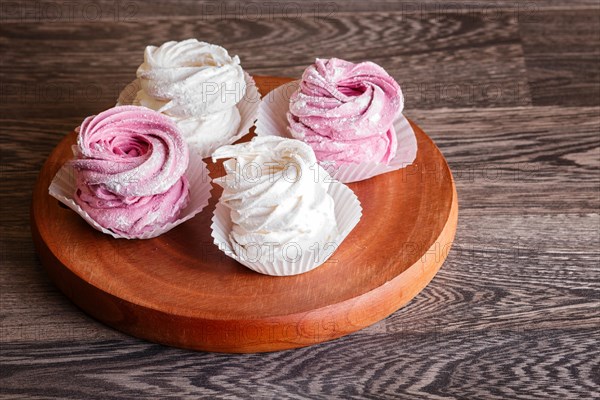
{"x": 510, "y": 91}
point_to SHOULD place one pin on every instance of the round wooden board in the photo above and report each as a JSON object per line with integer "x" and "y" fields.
{"x": 180, "y": 290}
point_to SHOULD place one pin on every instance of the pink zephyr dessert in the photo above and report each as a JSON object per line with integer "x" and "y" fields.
{"x": 345, "y": 112}
{"x": 129, "y": 168}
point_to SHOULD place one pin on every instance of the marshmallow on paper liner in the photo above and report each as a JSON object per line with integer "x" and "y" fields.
{"x": 272, "y": 121}
{"x": 204, "y": 90}
{"x": 281, "y": 223}
{"x": 131, "y": 176}
{"x": 64, "y": 184}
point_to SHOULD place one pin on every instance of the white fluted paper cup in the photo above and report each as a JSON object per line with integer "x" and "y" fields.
{"x": 348, "y": 212}
{"x": 272, "y": 121}
{"x": 64, "y": 185}
{"x": 247, "y": 107}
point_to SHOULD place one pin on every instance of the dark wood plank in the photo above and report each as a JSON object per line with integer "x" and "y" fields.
{"x": 450, "y": 60}
{"x": 562, "y": 52}
{"x": 525, "y": 160}
{"x": 517, "y": 364}
{"x": 62, "y": 11}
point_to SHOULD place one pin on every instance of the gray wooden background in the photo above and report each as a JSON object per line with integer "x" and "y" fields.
{"x": 509, "y": 90}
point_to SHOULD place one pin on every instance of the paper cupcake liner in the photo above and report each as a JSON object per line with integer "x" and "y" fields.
{"x": 64, "y": 185}
{"x": 247, "y": 106}
{"x": 272, "y": 121}
{"x": 348, "y": 212}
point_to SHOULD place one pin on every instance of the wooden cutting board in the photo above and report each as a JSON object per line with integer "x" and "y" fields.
{"x": 180, "y": 290}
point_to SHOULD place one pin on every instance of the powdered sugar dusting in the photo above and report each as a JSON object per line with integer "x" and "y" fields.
{"x": 345, "y": 111}
{"x": 129, "y": 169}
{"x": 198, "y": 85}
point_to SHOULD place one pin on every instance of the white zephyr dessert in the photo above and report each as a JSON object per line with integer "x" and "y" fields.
{"x": 200, "y": 86}
{"x": 279, "y": 215}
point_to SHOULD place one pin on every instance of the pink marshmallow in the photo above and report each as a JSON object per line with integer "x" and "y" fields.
{"x": 130, "y": 164}
{"x": 345, "y": 111}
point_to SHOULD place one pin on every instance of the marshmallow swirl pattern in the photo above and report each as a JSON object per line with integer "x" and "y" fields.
{"x": 129, "y": 168}
{"x": 345, "y": 111}
{"x": 277, "y": 194}
{"x": 198, "y": 85}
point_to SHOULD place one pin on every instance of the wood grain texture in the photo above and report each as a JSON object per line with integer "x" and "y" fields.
{"x": 514, "y": 160}
{"x": 514, "y": 313}
{"x": 411, "y": 364}
{"x": 62, "y": 11}
{"x": 562, "y": 52}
